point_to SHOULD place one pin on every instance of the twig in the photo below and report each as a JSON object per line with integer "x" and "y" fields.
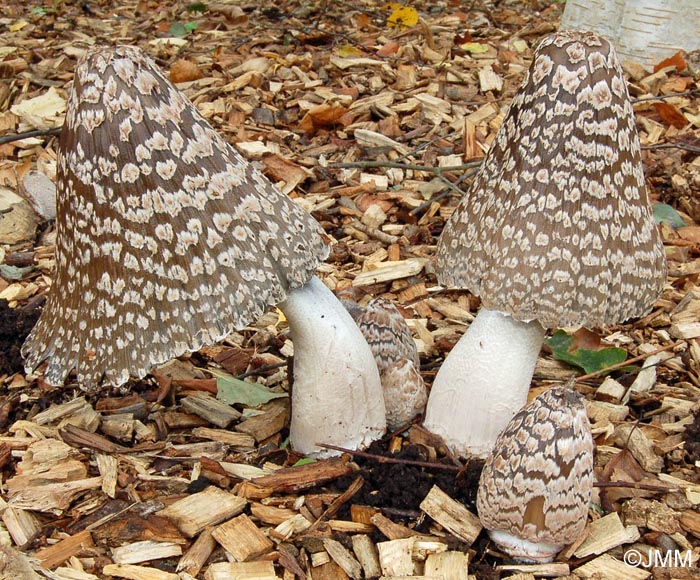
{"x": 635, "y": 485}
{"x": 384, "y": 459}
{"x": 627, "y": 362}
{"x": 684, "y": 146}
{"x": 447, "y": 467}
{"x": 669, "y": 96}
{"x": 27, "y": 134}
{"x": 412, "y": 166}
{"x": 262, "y": 369}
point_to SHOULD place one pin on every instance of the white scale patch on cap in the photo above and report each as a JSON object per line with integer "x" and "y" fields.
{"x": 149, "y": 195}
{"x": 557, "y": 225}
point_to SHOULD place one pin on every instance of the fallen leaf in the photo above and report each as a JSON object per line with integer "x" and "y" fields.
{"x": 349, "y": 51}
{"x": 231, "y": 390}
{"x": 390, "y": 47}
{"x": 42, "y": 112}
{"x": 664, "y": 213}
{"x": 676, "y": 60}
{"x": 590, "y": 361}
{"x": 584, "y": 338}
{"x": 402, "y": 16}
{"x": 320, "y": 116}
{"x": 183, "y": 71}
{"x": 671, "y": 115}
{"x": 474, "y": 47}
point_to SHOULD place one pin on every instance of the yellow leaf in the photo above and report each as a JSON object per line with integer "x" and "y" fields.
{"x": 19, "y": 25}
{"x": 402, "y": 16}
{"x": 474, "y": 47}
{"x": 281, "y": 318}
{"x": 348, "y": 51}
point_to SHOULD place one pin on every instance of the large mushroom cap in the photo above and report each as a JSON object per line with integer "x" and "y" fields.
{"x": 537, "y": 482}
{"x": 167, "y": 238}
{"x": 557, "y": 225}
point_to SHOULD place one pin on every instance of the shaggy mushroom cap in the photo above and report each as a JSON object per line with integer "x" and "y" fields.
{"x": 167, "y": 239}
{"x": 537, "y": 482}
{"x": 387, "y": 333}
{"x": 396, "y": 355}
{"x": 557, "y": 225}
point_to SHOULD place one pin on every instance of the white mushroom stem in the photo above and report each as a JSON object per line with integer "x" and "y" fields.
{"x": 483, "y": 382}
{"x": 337, "y": 395}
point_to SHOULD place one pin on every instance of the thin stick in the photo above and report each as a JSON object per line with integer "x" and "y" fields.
{"x": 395, "y": 165}
{"x": 27, "y": 134}
{"x": 384, "y": 459}
{"x": 446, "y": 467}
{"x": 627, "y": 362}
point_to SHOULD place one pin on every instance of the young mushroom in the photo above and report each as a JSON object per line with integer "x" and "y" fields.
{"x": 556, "y": 230}
{"x": 396, "y": 355}
{"x": 168, "y": 240}
{"x": 537, "y": 482}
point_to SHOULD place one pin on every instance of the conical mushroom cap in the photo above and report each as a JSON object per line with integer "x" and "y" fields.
{"x": 167, "y": 239}
{"x": 557, "y": 224}
{"x": 537, "y": 482}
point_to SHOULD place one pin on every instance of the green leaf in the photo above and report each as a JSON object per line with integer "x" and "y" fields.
{"x": 197, "y": 7}
{"x": 39, "y": 11}
{"x": 590, "y": 361}
{"x": 178, "y": 29}
{"x": 665, "y": 213}
{"x": 191, "y": 26}
{"x": 304, "y": 461}
{"x": 232, "y": 390}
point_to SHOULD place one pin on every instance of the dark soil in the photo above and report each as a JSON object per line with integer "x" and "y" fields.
{"x": 400, "y": 488}
{"x": 15, "y": 324}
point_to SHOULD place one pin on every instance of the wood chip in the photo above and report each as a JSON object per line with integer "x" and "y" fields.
{"x": 607, "y": 567}
{"x": 137, "y": 572}
{"x": 604, "y": 534}
{"x": 396, "y": 557}
{"x": 389, "y": 271}
{"x": 241, "y": 538}
{"x": 58, "y": 553}
{"x": 452, "y": 565}
{"x": 241, "y": 571}
{"x": 631, "y": 436}
{"x": 292, "y": 479}
{"x": 343, "y": 558}
{"x": 144, "y": 551}
{"x": 367, "y": 555}
{"x": 211, "y": 409}
{"x": 272, "y": 420}
{"x": 209, "y": 507}
{"x": 198, "y": 554}
{"x": 239, "y": 441}
{"x": 451, "y": 515}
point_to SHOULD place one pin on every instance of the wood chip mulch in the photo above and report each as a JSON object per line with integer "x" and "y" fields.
{"x": 354, "y": 117}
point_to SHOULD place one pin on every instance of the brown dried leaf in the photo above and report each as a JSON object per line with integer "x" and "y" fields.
{"x": 584, "y": 338}
{"x": 183, "y": 71}
{"x": 671, "y": 115}
{"x": 676, "y": 60}
{"x": 321, "y": 116}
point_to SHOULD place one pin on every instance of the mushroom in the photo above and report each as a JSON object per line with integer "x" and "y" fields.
{"x": 537, "y": 482}
{"x": 168, "y": 240}
{"x": 555, "y": 230}
{"x": 396, "y": 355}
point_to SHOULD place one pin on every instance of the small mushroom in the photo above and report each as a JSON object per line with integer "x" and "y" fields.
{"x": 556, "y": 230}
{"x": 537, "y": 482}
{"x": 396, "y": 355}
{"x": 168, "y": 240}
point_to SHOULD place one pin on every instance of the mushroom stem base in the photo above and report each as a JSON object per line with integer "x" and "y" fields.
{"x": 337, "y": 395}
{"x": 483, "y": 382}
{"x": 525, "y": 551}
